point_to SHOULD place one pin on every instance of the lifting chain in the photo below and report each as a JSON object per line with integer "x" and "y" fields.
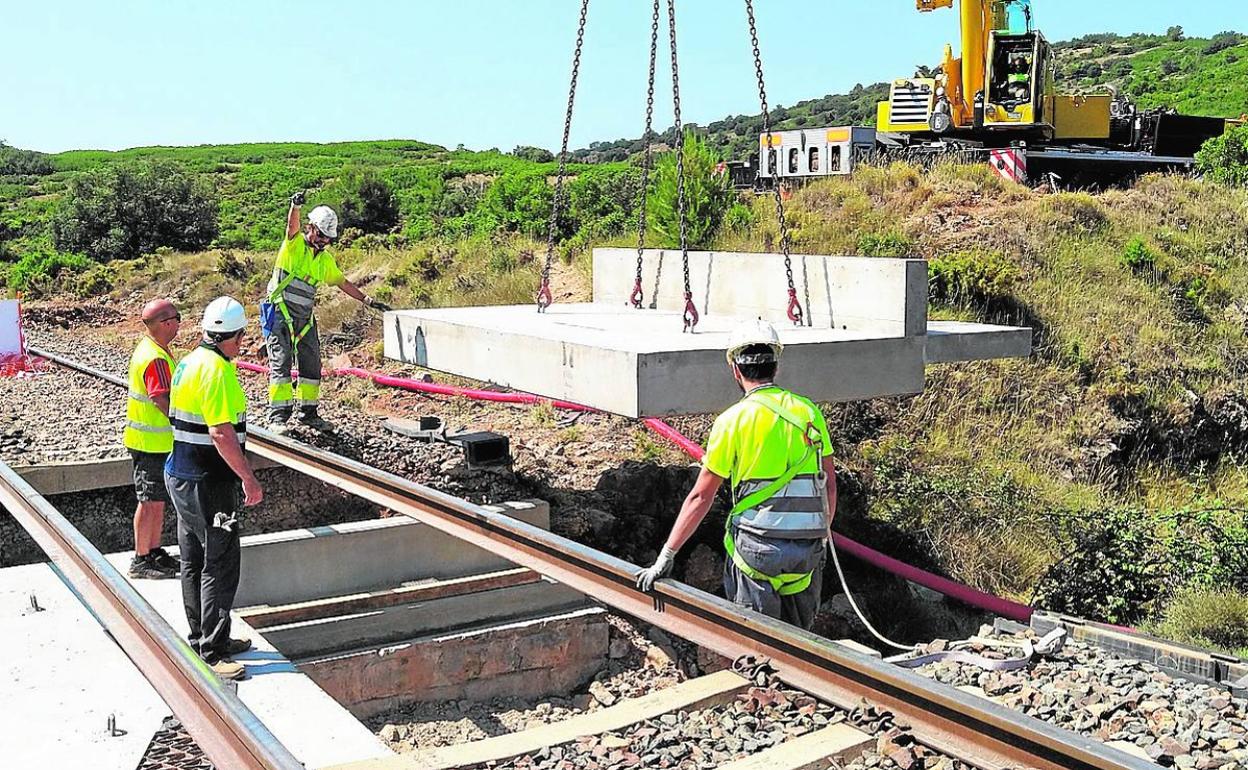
{"x": 691, "y": 311}
{"x": 543, "y": 293}
{"x": 795, "y": 307}
{"x": 637, "y": 296}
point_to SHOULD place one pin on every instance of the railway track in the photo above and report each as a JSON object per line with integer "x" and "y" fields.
{"x": 947, "y": 721}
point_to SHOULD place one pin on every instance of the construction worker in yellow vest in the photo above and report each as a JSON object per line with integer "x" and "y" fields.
{"x": 149, "y": 437}
{"x": 287, "y": 318}
{"x": 773, "y": 448}
{"x": 204, "y": 473}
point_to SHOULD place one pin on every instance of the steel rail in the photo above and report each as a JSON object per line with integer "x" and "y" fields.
{"x": 229, "y": 733}
{"x": 972, "y": 729}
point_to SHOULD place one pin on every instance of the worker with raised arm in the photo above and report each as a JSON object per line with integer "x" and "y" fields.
{"x": 208, "y": 410}
{"x": 287, "y": 317}
{"x": 773, "y": 447}
{"x": 149, "y": 436}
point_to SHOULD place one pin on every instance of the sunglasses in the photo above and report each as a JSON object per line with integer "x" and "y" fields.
{"x": 175, "y": 317}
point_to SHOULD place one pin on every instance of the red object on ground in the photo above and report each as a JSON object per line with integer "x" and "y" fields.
{"x": 13, "y": 364}
{"x": 963, "y": 593}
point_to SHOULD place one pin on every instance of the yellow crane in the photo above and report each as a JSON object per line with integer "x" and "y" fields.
{"x": 1000, "y": 89}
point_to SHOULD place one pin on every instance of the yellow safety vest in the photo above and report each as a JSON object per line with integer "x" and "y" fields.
{"x": 206, "y": 392}
{"x": 147, "y": 428}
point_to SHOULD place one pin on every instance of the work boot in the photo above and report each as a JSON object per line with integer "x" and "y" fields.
{"x": 278, "y": 422}
{"x": 236, "y": 647}
{"x": 164, "y": 561}
{"x": 228, "y": 669}
{"x": 145, "y": 567}
{"x": 310, "y": 418}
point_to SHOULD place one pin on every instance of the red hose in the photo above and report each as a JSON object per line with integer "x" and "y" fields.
{"x": 963, "y": 593}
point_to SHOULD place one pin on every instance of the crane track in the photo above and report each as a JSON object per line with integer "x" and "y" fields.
{"x": 954, "y": 723}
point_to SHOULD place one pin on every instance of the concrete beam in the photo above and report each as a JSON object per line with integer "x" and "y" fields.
{"x": 529, "y": 659}
{"x": 64, "y": 478}
{"x": 388, "y": 625}
{"x": 812, "y": 751}
{"x": 952, "y": 341}
{"x": 887, "y": 297}
{"x": 637, "y": 363}
{"x": 307, "y": 564}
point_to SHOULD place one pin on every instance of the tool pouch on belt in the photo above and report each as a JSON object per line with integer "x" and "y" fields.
{"x": 269, "y": 318}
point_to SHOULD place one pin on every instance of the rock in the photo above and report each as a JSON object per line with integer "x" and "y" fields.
{"x": 620, "y": 648}
{"x": 391, "y": 734}
{"x": 601, "y": 693}
{"x": 704, "y": 569}
{"x": 657, "y": 659}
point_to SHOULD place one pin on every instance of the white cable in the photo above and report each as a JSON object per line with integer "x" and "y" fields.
{"x": 845, "y": 587}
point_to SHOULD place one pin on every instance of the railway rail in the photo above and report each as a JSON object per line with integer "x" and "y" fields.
{"x": 978, "y": 732}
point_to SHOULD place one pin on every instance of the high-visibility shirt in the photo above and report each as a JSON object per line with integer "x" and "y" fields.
{"x": 147, "y": 428}
{"x": 206, "y": 392}
{"x": 751, "y": 442}
{"x": 297, "y": 273}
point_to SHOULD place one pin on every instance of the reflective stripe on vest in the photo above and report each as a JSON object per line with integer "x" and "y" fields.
{"x": 147, "y": 428}
{"x": 205, "y": 389}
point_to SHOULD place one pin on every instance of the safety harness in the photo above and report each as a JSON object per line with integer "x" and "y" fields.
{"x": 789, "y": 583}
{"x": 277, "y": 300}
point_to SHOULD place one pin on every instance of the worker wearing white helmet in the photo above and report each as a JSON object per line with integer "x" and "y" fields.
{"x": 773, "y": 448}
{"x": 208, "y": 411}
{"x": 287, "y": 318}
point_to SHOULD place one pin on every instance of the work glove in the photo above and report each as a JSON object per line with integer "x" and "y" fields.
{"x": 297, "y": 199}
{"x": 661, "y": 567}
{"x": 377, "y": 305}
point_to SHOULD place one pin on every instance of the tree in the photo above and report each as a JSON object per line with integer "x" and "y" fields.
{"x": 15, "y": 162}
{"x": 124, "y": 210}
{"x": 369, "y": 204}
{"x": 1174, "y": 33}
{"x": 535, "y": 154}
{"x": 707, "y": 195}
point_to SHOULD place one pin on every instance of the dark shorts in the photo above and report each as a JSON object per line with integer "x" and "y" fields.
{"x": 149, "y": 477}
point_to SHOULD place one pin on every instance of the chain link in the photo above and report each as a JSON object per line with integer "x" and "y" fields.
{"x": 691, "y": 312}
{"x": 543, "y": 293}
{"x": 795, "y": 308}
{"x": 637, "y": 295}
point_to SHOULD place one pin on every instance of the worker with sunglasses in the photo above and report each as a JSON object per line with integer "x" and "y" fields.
{"x": 287, "y": 319}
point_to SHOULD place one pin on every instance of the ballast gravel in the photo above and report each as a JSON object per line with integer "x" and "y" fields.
{"x": 1169, "y": 720}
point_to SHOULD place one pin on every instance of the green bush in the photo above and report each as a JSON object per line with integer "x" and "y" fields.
{"x": 122, "y": 211}
{"x": 369, "y": 204}
{"x": 1208, "y": 617}
{"x": 739, "y": 218}
{"x": 533, "y": 154}
{"x": 39, "y": 270}
{"x": 707, "y": 196}
{"x": 972, "y": 276}
{"x": 1225, "y": 158}
{"x": 15, "y": 162}
{"x": 1137, "y": 256}
{"x": 94, "y": 281}
{"x": 889, "y": 244}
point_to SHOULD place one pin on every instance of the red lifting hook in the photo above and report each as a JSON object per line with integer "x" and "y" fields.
{"x": 795, "y": 308}
{"x": 636, "y": 297}
{"x": 543, "y": 297}
{"x": 691, "y": 313}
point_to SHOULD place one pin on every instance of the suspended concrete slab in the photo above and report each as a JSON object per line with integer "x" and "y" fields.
{"x": 870, "y": 336}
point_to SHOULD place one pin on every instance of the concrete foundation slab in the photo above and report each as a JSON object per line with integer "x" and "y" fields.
{"x": 64, "y": 478}
{"x": 527, "y": 659}
{"x": 870, "y": 337}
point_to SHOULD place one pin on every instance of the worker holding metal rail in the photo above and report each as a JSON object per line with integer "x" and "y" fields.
{"x": 774, "y": 449}
{"x": 287, "y": 320}
{"x": 208, "y": 411}
{"x": 149, "y": 436}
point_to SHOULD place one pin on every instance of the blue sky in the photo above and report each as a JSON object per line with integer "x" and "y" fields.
{"x": 487, "y": 73}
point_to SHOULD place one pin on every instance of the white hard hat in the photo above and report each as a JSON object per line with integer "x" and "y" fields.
{"x": 224, "y": 315}
{"x": 754, "y": 332}
{"x": 325, "y": 220}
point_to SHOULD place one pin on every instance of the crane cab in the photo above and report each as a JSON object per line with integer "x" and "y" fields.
{"x": 1018, "y": 79}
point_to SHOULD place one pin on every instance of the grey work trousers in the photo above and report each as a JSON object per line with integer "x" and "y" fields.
{"x": 774, "y": 556}
{"x": 282, "y": 357}
{"x": 208, "y": 546}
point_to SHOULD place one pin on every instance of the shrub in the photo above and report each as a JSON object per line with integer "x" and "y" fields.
{"x": 971, "y": 276}
{"x": 707, "y": 195}
{"x": 15, "y": 162}
{"x": 1137, "y": 256}
{"x": 94, "y": 281}
{"x": 1224, "y": 158}
{"x": 38, "y": 271}
{"x": 739, "y": 218}
{"x": 1207, "y": 617}
{"x": 1222, "y": 41}
{"x": 534, "y": 154}
{"x": 125, "y": 210}
{"x": 889, "y": 244}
